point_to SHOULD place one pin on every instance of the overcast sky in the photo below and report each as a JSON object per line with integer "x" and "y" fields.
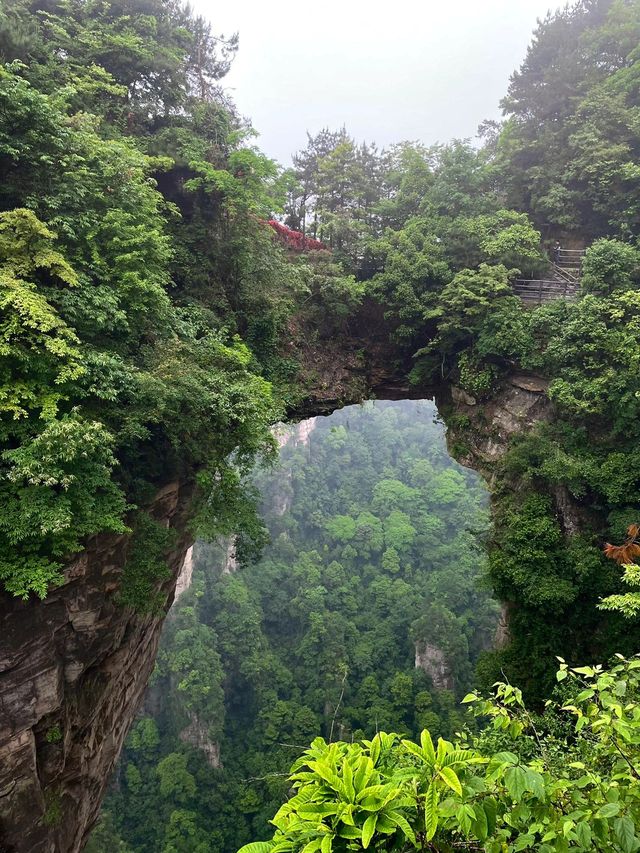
{"x": 426, "y": 70}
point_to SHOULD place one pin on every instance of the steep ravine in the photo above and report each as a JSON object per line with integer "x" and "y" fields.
{"x": 73, "y": 669}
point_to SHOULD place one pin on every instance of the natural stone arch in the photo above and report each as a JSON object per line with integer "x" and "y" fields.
{"x": 73, "y": 669}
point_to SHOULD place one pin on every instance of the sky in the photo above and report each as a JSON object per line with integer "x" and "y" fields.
{"x": 427, "y": 70}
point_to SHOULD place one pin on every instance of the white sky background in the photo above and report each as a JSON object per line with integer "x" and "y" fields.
{"x": 427, "y": 70}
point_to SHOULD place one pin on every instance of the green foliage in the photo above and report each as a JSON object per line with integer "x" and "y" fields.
{"x": 129, "y": 63}
{"x": 567, "y": 151}
{"x": 190, "y": 659}
{"x": 39, "y": 352}
{"x": 466, "y": 302}
{"x": 629, "y": 602}
{"x": 462, "y": 183}
{"x": 504, "y": 237}
{"x": 333, "y": 296}
{"x": 57, "y": 488}
{"x": 175, "y": 780}
{"x": 609, "y": 265}
{"x": 105, "y": 837}
{"x": 150, "y": 327}
{"x": 590, "y": 349}
{"x": 115, "y": 375}
{"x": 145, "y": 736}
{"x": 412, "y": 268}
{"x": 146, "y": 566}
{"x": 475, "y": 378}
{"x": 54, "y": 734}
{"x": 477, "y": 318}
{"x": 53, "y": 813}
{"x": 567, "y": 781}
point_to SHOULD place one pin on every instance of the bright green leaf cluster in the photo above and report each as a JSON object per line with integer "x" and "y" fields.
{"x": 553, "y": 786}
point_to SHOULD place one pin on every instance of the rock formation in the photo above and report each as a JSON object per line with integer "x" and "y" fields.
{"x": 73, "y": 670}
{"x": 432, "y": 660}
{"x": 196, "y": 734}
{"x": 74, "y": 667}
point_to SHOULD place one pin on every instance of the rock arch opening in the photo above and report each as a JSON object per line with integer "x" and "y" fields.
{"x": 366, "y": 609}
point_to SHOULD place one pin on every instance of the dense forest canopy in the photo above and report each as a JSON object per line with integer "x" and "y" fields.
{"x": 154, "y": 326}
{"x": 375, "y": 558}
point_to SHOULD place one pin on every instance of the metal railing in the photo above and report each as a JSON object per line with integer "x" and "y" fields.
{"x": 571, "y": 253}
{"x": 570, "y": 274}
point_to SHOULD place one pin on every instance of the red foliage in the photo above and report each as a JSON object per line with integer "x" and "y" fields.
{"x": 295, "y": 239}
{"x": 629, "y": 550}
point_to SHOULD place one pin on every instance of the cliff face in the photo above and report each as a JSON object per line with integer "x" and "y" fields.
{"x": 432, "y": 660}
{"x": 521, "y": 403}
{"x": 196, "y": 734}
{"x": 73, "y": 670}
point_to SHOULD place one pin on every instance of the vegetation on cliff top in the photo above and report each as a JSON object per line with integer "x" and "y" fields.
{"x": 141, "y": 294}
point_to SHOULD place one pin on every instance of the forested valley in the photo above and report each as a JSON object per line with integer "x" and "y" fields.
{"x": 375, "y": 562}
{"x": 169, "y": 293}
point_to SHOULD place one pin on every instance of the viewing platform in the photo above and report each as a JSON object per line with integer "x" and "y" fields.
{"x": 565, "y": 284}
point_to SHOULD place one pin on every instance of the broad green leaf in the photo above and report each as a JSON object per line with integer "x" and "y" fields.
{"x": 504, "y": 758}
{"x": 480, "y": 824}
{"x": 625, "y": 833}
{"x": 346, "y": 814}
{"x": 393, "y": 794}
{"x": 404, "y": 825}
{"x": 515, "y": 780}
{"x": 257, "y": 847}
{"x": 584, "y": 694}
{"x": 373, "y": 791}
{"x": 325, "y": 847}
{"x": 490, "y": 807}
{"x": 385, "y": 824}
{"x": 444, "y": 747}
{"x": 350, "y": 832}
{"x": 461, "y": 756}
{"x": 583, "y": 834}
{"x": 448, "y": 775}
{"x": 313, "y": 810}
{"x": 535, "y": 783}
{"x": 325, "y": 772}
{"x": 414, "y": 749}
{"x": 374, "y": 750}
{"x": 283, "y": 846}
{"x": 609, "y": 810}
{"x": 431, "y": 811}
{"x": 368, "y": 829}
{"x": 427, "y": 746}
{"x": 363, "y": 773}
{"x": 371, "y": 804}
{"x": 347, "y": 780}
{"x": 465, "y": 815}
